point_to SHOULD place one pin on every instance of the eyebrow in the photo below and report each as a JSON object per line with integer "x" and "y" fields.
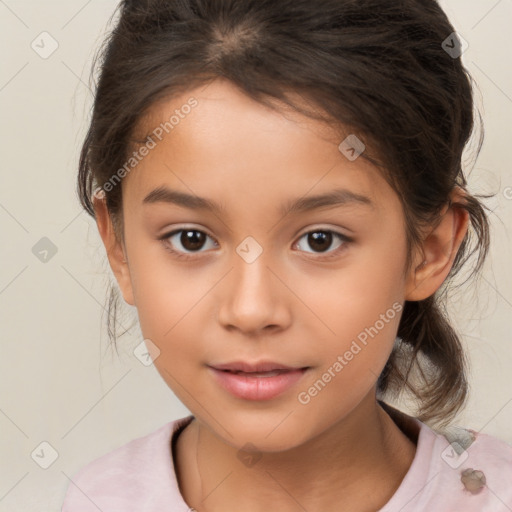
{"x": 336, "y": 197}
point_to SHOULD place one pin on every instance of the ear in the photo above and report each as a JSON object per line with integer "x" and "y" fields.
{"x": 438, "y": 251}
{"x": 116, "y": 251}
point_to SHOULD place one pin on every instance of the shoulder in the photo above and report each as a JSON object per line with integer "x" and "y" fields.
{"x": 490, "y": 448}
{"x": 457, "y": 469}
{"x": 464, "y": 446}
{"x": 138, "y": 475}
{"x": 471, "y": 470}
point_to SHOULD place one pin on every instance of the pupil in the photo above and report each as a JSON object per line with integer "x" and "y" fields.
{"x": 192, "y": 239}
{"x": 321, "y": 238}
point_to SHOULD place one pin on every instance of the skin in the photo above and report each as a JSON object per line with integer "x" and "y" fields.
{"x": 290, "y": 305}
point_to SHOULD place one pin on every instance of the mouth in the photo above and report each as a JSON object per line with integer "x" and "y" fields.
{"x": 262, "y": 367}
{"x": 270, "y": 373}
{"x": 257, "y": 382}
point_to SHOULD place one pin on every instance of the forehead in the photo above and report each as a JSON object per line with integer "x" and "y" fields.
{"x": 227, "y": 143}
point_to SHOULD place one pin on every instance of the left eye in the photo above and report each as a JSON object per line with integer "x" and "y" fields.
{"x": 321, "y": 240}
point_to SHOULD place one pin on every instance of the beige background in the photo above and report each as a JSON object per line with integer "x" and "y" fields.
{"x": 60, "y": 383}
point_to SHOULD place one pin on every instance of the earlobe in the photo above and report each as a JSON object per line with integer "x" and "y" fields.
{"x": 438, "y": 253}
{"x": 116, "y": 252}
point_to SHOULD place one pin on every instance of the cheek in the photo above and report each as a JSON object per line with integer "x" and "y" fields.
{"x": 173, "y": 303}
{"x": 363, "y": 315}
{"x": 351, "y": 311}
{"x": 165, "y": 291}
{"x": 348, "y": 299}
{"x": 356, "y": 313}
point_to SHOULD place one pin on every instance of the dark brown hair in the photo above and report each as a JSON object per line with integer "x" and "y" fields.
{"x": 376, "y": 67}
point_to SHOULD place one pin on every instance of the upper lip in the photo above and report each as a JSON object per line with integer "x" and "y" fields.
{"x": 261, "y": 366}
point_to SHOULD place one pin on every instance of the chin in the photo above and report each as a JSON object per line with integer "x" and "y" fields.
{"x": 264, "y": 433}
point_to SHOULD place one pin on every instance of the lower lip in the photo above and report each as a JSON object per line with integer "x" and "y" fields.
{"x": 257, "y": 388}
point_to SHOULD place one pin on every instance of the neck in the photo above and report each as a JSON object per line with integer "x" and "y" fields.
{"x": 364, "y": 451}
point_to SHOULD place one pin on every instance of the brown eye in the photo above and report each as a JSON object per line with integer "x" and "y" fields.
{"x": 186, "y": 240}
{"x": 192, "y": 240}
{"x": 321, "y": 241}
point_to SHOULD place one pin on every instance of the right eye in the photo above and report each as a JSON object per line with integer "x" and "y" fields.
{"x": 190, "y": 239}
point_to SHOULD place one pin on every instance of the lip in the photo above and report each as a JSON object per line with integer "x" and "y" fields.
{"x": 247, "y": 387}
{"x": 261, "y": 366}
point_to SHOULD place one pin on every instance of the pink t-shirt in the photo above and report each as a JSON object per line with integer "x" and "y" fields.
{"x": 139, "y": 476}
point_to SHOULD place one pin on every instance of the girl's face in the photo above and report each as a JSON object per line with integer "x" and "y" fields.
{"x": 319, "y": 287}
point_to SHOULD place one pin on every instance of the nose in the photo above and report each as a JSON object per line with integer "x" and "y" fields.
{"x": 253, "y": 296}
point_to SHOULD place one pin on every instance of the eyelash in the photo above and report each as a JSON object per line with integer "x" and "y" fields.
{"x": 189, "y": 256}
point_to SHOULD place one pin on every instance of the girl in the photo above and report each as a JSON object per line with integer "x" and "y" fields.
{"x": 279, "y": 190}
